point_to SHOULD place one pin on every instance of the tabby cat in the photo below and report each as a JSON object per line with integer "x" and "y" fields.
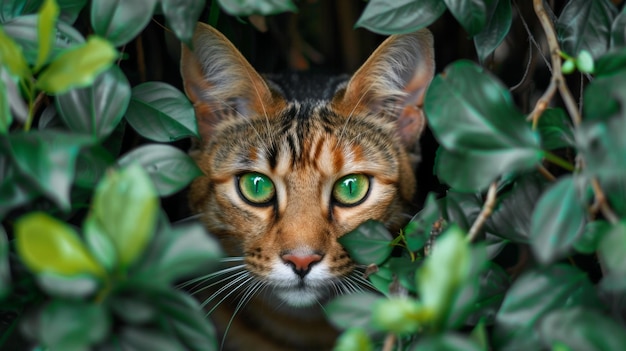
{"x": 285, "y": 176}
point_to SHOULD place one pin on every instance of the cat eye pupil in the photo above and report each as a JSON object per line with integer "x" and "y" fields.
{"x": 352, "y": 189}
{"x": 256, "y": 188}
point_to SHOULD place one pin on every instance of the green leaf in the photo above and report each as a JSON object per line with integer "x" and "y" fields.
{"x": 447, "y": 342}
{"x": 5, "y": 273}
{"x": 100, "y": 244}
{"x": 46, "y": 31}
{"x": 443, "y": 273}
{"x": 47, "y": 159}
{"x": 368, "y": 243}
{"x": 177, "y": 253}
{"x": 487, "y": 128}
{"x": 462, "y": 209}
{"x": 67, "y": 324}
{"x": 12, "y": 57}
{"x": 593, "y": 233}
{"x": 555, "y": 129}
{"x": 496, "y": 29}
{"x": 91, "y": 165}
{"x": 182, "y": 16}
{"x": 402, "y": 16}
{"x": 144, "y": 338}
{"x": 254, "y": 7}
{"x": 119, "y": 20}
{"x": 48, "y": 245}
{"x": 97, "y": 109}
{"x": 169, "y": 168}
{"x": 15, "y": 191}
{"x": 471, "y": 14}
{"x": 533, "y": 295}
{"x": 77, "y": 67}
{"x": 133, "y": 309}
{"x": 11, "y": 9}
{"x": 584, "y": 62}
{"x": 618, "y": 30}
{"x": 611, "y": 249}
{"x": 557, "y": 221}
{"x": 582, "y": 330}
{"x": 354, "y": 339}
{"x": 24, "y": 30}
{"x": 352, "y": 311}
{"x": 6, "y": 118}
{"x": 417, "y": 231}
{"x": 611, "y": 63}
{"x": 586, "y": 25}
{"x": 160, "y": 112}
{"x": 125, "y": 207}
{"x": 492, "y": 288}
{"x": 400, "y": 315}
{"x": 79, "y": 286}
{"x": 512, "y": 217}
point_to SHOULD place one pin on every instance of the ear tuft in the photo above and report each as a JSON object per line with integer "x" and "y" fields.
{"x": 219, "y": 81}
{"x": 394, "y": 81}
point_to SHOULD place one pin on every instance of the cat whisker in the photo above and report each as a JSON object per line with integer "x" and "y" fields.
{"x": 238, "y": 282}
{"x": 249, "y": 293}
{"x": 210, "y": 276}
{"x": 214, "y": 283}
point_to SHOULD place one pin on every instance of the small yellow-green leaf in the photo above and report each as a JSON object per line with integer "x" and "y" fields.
{"x": 48, "y": 15}
{"x": 584, "y": 62}
{"x": 11, "y": 56}
{"x": 46, "y": 244}
{"x": 354, "y": 339}
{"x": 77, "y": 67}
{"x": 125, "y": 208}
{"x": 400, "y": 315}
{"x": 568, "y": 66}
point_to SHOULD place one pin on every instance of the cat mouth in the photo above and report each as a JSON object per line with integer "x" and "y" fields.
{"x": 300, "y": 295}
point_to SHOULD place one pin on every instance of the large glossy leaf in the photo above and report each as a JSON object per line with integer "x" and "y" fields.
{"x": 15, "y": 191}
{"x": 496, "y": 29}
{"x": 512, "y": 217}
{"x": 120, "y": 20}
{"x": 11, "y": 55}
{"x": 402, "y": 16}
{"x": 611, "y": 249}
{"x": 535, "y": 294}
{"x": 46, "y": 33}
{"x": 77, "y": 67}
{"x": 443, "y": 273}
{"x": 182, "y": 16}
{"x": 586, "y": 25}
{"x": 169, "y": 168}
{"x": 6, "y": 118}
{"x": 125, "y": 207}
{"x": 160, "y": 112}
{"x": 417, "y": 231}
{"x": 555, "y": 129}
{"x": 47, "y": 159}
{"x": 611, "y": 63}
{"x": 24, "y": 31}
{"x": 5, "y": 273}
{"x": 46, "y": 244}
{"x": 486, "y": 128}
{"x": 179, "y": 252}
{"x": 254, "y": 7}
{"x": 471, "y": 14}
{"x": 73, "y": 325}
{"x": 618, "y": 30}
{"x": 447, "y": 342}
{"x": 557, "y": 222}
{"x": 145, "y": 338}
{"x": 14, "y": 8}
{"x": 91, "y": 165}
{"x": 368, "y": 243}
{"x": 97, "y": 109}
{"x": 582, "y": 330}
{"x": 354, "y": 310}
{"x": 592, "y": 235}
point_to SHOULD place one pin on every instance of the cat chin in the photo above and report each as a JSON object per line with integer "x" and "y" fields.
{"x": 298, "y": 298}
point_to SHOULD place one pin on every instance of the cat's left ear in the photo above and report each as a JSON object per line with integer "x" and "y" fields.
{"x": 394, "y": 81}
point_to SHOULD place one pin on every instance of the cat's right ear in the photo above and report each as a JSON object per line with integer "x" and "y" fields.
{"x": 220, "y": 82}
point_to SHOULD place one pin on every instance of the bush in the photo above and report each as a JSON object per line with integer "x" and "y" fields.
{"x": 89, "y": 258}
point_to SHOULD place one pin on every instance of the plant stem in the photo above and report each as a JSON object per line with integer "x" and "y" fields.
{"x": 390, "y": 340}
{"x": 559, "y": 161}
{"x": 488, "y": 207}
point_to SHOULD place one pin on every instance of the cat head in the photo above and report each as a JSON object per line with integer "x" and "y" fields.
{"x": 283, "y": 180}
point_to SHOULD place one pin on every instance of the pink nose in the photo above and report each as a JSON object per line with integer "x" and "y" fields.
{"x": 301, "y": 264}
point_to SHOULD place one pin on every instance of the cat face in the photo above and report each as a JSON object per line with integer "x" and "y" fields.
{"x": 283, "y": 180}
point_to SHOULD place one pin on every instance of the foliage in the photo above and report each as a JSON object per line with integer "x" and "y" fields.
{"x": 88, "y": 258}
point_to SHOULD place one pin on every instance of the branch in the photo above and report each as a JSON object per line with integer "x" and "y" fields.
{"x": 488, "y": 207}
{"x": 557, "y": 81}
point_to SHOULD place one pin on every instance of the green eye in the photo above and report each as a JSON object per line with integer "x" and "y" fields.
{"x": 256, "y": 188}
{"x": 351, "y": 189}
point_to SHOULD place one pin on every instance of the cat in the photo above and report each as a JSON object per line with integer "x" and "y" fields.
{"x": 284, "y": 176}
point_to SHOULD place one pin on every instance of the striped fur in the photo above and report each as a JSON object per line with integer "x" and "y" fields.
{"x": 367, "y": 125}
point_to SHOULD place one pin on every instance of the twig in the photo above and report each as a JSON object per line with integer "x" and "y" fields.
{"x": 546, "y": 173}
{"x": 488, "y": 207}
{"x": 602, "y": 202}
{"x": 390, "y": 340}
{"x": 557, "y": 81}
